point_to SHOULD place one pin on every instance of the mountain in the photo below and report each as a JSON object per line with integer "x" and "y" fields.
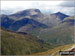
{"x": 60, "y": 15}
{"x": 50, "y": 20}
{"x": 35, "y": 14}
{"x": 9, "y": 23}
{"x": 62, "y": 34}
{"x": 27, "y": 24}
{"x": 21, "y": 43}
{"x": 28, "y": 12}
{"x": 54, "y": 19}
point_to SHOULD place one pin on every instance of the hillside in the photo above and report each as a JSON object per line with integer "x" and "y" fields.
{"x": 21, "y": 44}
{"x": 55, "y": 51}
{"x": 71, "y": 17}
{"x": 70, "y": 20}
{"x": 61, "y": 34}
{"x": 9, "y": 23}
{"x": 29, "y": 24}
{"x": 6, "y": 21}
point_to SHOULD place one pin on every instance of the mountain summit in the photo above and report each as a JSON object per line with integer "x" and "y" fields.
{"x": 27, "y": 12}
{"x": 60, "y": 15}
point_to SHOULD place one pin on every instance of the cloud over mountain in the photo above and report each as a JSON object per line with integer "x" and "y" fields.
{"x": 66, "y": 7}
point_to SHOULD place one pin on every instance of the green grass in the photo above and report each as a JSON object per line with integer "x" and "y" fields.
{"x": 18, "y": 44}
{"x": 56, "y": 50}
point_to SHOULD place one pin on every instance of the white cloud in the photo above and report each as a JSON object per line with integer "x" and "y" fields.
{"x": 68, "y": 4}
{"x": 26, "y": 4}
{"x": 44, "y": 6}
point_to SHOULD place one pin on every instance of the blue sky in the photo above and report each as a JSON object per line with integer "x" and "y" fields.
{"x": 66, "y": 7}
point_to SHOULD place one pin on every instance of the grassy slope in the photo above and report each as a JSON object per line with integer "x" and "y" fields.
{"x": 61, "y": 34}
{"x": 18, "y": 44}
{"x": 55, "y": 51}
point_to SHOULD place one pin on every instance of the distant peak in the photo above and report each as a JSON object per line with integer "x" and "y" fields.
{"x": 59, "y": 13}
{"x": 27, "y": 12}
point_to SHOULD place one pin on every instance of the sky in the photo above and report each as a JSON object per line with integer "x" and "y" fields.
{"x": 66, "y": 7}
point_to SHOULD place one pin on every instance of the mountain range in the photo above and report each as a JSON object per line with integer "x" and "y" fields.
{"x": 33, "y": 15}
{"x": 52, "y": 29}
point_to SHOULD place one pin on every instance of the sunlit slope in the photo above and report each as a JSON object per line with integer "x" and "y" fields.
{"x": 55, "y": 51}
{"x": 19, "y": 44}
